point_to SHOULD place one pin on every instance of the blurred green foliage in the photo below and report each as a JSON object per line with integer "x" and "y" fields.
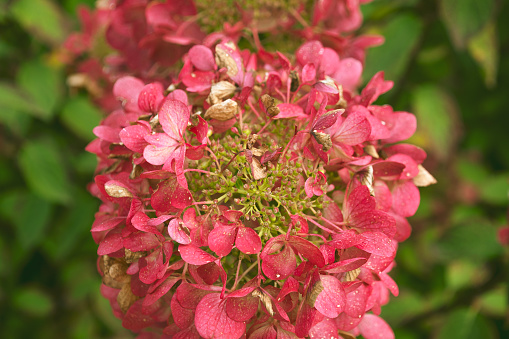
{"x": 447, "y": 60}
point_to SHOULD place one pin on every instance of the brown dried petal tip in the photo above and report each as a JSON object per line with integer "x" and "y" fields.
{"x": 224, "y": 60}
{"x": 270, "y": 105}
{"x": 222, "y": 111}
{"x": 323, "y": 139}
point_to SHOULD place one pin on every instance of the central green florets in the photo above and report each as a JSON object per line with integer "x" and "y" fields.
{"x": 267, "y": 203}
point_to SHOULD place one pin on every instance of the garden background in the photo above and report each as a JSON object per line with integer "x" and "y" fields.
{"x": 449, "y": 60}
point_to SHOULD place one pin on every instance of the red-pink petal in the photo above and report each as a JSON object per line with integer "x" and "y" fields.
{"x": 311, "y": 51}
{"x": 377, "y": 243}
{"x": 331, "y": 301}
{"x": 248, "y": 241}
{"x": 111, "y": 243}
{"x": 134, "y": 318}
{"x": 221, "y": 239}
{"x": 348, "y": 73}
{"x": 405, "y": 198}
{"x": 151, "y": 97}
{"x": 133, "y": 137}
{"x": 195, "y": 255}
{"x": 277, "y": 266}
{"x": 212, "y": 321}
{"x": 288, "y": 111}
{"x": 174, "y": 116}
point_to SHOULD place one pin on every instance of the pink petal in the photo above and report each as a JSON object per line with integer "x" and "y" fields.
{"x": 374, "y": 220}
{"x": 356, "y": 301}
{"x": 179, "y": 95}
{"x": 348, "y": 74}
{"x": 388, "y": 170}
{"x": 288, "y": 111}
{"x": 359, "y": 201}
{"x": 310, "y": 52}
{"x": 111, "y": 243}
{"x": 178, "y": 232}
{"x": 353, "y": 131}
{"x": 154, "y": 268}
{"x": 405, "y": 198}
{"x": 305, "y": 318}
{"x": 344, "y": 239}
{"x": 308, "y": 73}
{"x": 377, "y": 243}
{"x": 141, "y": 241}
{"x": 221, "y": 239}
{"x": 202, "y": 58}
{"x": 198, "y": 81}
{"x": 308, "y": 250}
{"x": 242, "y": 309}
{"x": 277, "y": 266}
{"x": 374, "y": 327}
{"x": 403, "y": 228}
{"x": 133, "y": 137}
{"x": 151, "y": 97}
{"x": 127, "y": 90}
{"x": 290, "y": 285}
{"x": 405, "y": 125}
{"x": 107, "y": 133}
{"x": 327, "y": 119}
{"x": 383, "y": 196}
{"x": 106, "y": 223}
{"x": 308, "y": 187}
{"x": 161, "y": 148}
{"x": 416, "y": 153}
{"x": 183, "y": 317}
{"x": 159, "y": 292}
{"x": 325, "y": 329}
{"x": 330, "y": 60}
{"x": 195, "y": 255}
{"x": 248, "y": 241}
{"x": 174, "y": 116}
{"x": 212, "y": 321}
{"x": 410, "y": 171}
{"x": 331, "y": 301}
{"x": 134, "y": 318}
{"x": 170, "y": 194}
{"x": 189, "y": 296}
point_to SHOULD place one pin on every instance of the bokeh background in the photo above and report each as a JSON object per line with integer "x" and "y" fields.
{"x": 450, "y": 63}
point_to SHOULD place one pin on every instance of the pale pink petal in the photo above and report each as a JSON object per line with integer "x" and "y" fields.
{"x": 202, "y": 58}
{"x": 405, "y": 198}
{"x": 374, "y": 327}
{"x": 288, "y": 111}
{"x": 127, "y": 90}
{"x": 310, "y": 52}
{"x": 178, "y": 232}
{"x": 151, "y": 97}
{"x": 348, "y": 74}
{"x": 173, "y": 117}
{"x": 133, "y": 137}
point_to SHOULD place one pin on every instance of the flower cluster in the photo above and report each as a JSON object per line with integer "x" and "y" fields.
{"x": 259, "y": 195}
{"x": 147, "y": 38}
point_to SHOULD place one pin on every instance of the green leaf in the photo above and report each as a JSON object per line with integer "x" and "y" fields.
{"x": 74, "y": 225}
{"x": 33, "y": 301}
{"x": 436, "y": 112}
{"x": 13, "y": 99}
{"x": 484, "y": 49}
{"x": 43, "y": 84}
{"x": 42, "y": 18}
{"x": 401, "y": 36}
{"x": 466, "y": 324}
{"x": 80, "y": 116}
{"x": 476, "y": 241}
{"x": 464, "y": 18}
{"x": 494, "y": 302}
{"x": 31, "y": 219}
{"x": 495, "y": 190}
{"x": 44, "y": 171}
